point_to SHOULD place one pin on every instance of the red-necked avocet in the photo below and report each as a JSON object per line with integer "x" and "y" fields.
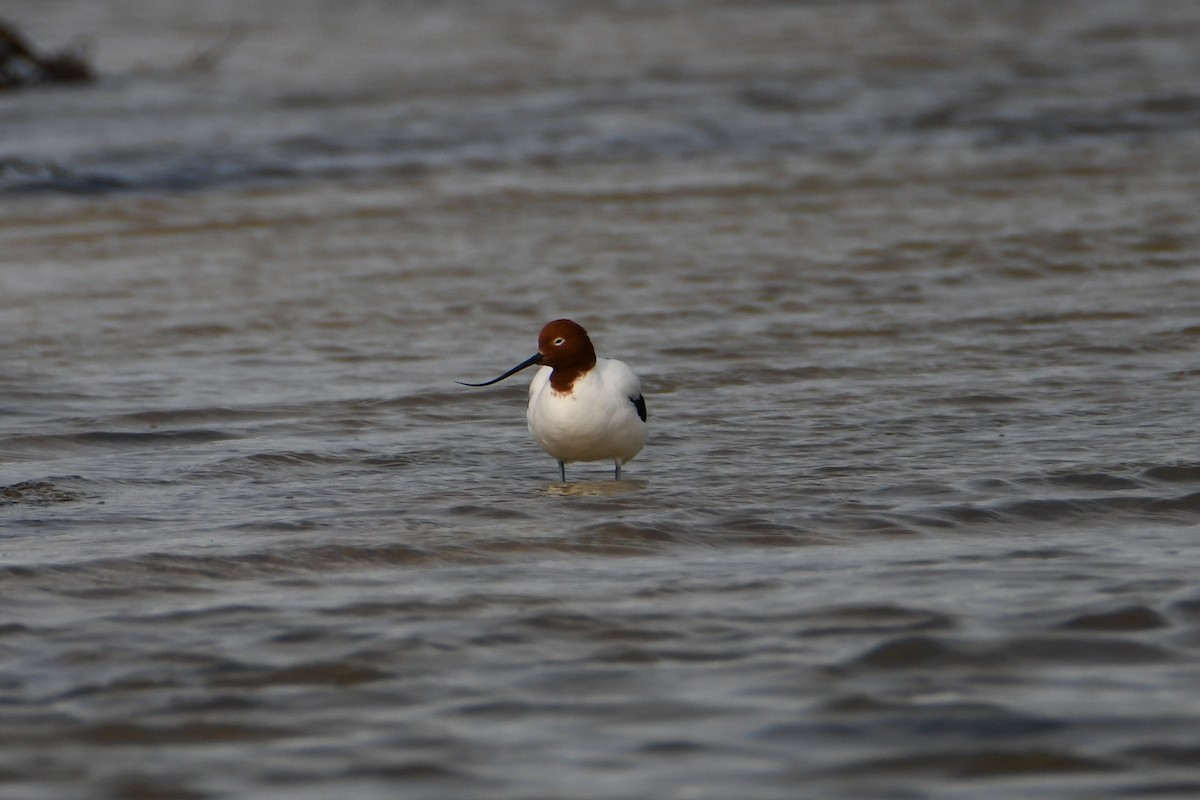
{"x": 581, "y": 408}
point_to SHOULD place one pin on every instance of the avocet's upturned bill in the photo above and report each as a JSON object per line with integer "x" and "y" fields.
{"x": 581, "y": 408}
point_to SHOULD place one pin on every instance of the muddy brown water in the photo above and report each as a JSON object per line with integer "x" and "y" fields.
{"x": 913, "y": 291}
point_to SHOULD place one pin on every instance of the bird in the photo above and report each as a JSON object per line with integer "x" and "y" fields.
{"x": 581, "y": 408}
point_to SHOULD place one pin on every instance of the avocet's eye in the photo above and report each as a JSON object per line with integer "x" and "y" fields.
{"x": 559, "y": 341}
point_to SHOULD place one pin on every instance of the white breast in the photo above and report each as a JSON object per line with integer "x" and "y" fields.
{"x": 596, "y": 420}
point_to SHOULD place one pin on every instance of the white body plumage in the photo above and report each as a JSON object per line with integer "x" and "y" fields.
{"x": 595, "y": 420}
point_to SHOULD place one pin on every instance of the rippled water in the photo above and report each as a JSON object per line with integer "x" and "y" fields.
{"x": 912, "y": 289}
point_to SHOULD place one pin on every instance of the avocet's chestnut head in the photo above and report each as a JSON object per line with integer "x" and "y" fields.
{"x": 562, "y": 345}
{"x": 565, "y": 344}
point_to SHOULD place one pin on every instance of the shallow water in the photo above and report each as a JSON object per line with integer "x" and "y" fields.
{"x": 911, "y": 288}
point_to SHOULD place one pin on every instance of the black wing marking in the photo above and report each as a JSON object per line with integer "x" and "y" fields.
{"x": 639, "y": 402}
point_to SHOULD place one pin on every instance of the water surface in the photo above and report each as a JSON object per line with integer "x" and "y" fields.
{"x": 911, "y": 287}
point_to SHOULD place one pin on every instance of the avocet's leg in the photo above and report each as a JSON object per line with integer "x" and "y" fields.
{"x": 617, "y": 477}
{"x": 562, "y": 471}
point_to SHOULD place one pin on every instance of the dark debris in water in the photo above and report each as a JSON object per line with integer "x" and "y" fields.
{"x": 36, "y": 493}
{"x": 22, "y": 65}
